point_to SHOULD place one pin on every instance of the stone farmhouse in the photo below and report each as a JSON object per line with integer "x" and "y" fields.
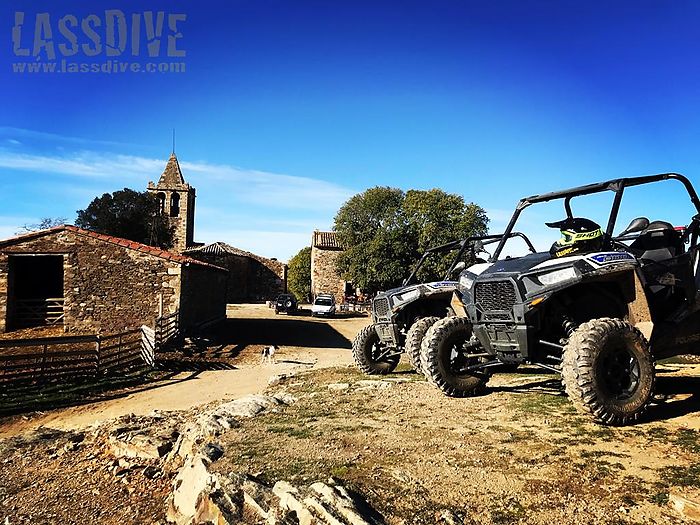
{"x": 250, "y": 278}
{"x": 325, "y": 249}
{"x": 90, "y": 282}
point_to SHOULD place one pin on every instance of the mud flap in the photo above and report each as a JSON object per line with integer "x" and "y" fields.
{"x": 457, "y": 306}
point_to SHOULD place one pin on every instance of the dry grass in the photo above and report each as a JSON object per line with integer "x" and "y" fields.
{"x": 514, "y": 455}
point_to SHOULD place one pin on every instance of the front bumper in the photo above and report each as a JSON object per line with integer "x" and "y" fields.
{"x": 498, "y": 317}
{"x": 509, "y": 342}
{"x": 388, "y": 333}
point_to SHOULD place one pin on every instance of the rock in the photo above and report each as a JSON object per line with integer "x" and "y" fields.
{"x": 249, "y": 406}
{"x": 323, "y": 514}
{"x": 226, "y": 416}
{"x": 152, "y": 472}
{"x": 277, "y": 379}
{"x": 142, "y": 446}
{"x": 219, "y": 506}
{"x": 338, "y": 386}
{"x": 192, "y": 480}
{"x": 685, "y": 506}
{"x": 369, "y": 384}
{"x": 200, "y": 497}
{"x": 354, "y": 512}
{"x": 449, "y": 518}
{"x": 213, "y": 451}
{"x": 290, "y": 501}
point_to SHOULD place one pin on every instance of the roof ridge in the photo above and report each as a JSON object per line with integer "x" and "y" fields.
{"x": 119, "y": 241}
{"x": 224, "y": 248}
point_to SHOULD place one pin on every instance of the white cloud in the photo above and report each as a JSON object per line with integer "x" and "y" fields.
{"x": 231, "y": 182}
{"x": 267, "y": 213}
{"x": 34, "y": 135}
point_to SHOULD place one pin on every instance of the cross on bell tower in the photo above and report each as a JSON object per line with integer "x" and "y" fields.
{"x": 176, "y": 201}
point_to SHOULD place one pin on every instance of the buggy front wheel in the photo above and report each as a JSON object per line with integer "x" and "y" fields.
{"x": 371, "y": 356}
{"x": 446, "y": 354}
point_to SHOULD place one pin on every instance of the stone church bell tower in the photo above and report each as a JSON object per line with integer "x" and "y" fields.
{"x": 176, "y": 200}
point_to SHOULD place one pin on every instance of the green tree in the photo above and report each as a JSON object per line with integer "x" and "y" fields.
{"x": 385, "y": 232}
{"x": 299, "y": 274}
{"x": 128, "y": 214}
{"x": 437, "y": 218}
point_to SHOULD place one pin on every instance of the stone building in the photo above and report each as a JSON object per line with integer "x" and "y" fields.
{"x": 90, "y": 282}
{"x": 325, "y": 249}
{"x": 250, "y": 278}
{"x": 176, "y": 199}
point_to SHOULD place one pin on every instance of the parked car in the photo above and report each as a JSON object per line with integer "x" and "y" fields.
{"x": 324, "y": 304}
{"x": 287, "y": 303}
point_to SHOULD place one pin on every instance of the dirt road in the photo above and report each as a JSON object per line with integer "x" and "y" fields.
{"x": 232, "y": 368}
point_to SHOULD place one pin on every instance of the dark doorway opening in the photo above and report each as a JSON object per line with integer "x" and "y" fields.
{"x": 36, "y": 290}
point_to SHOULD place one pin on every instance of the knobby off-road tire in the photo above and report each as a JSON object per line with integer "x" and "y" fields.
{"x": 367, "y": 350}
{"x": 442, "y": 356}
{"x": 414, "y": 338}
{"x": 608, "y": 371}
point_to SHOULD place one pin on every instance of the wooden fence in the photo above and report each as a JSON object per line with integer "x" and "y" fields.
{"x": 167, "y": 329}
{"x": 68, "y": 358}
{"x": 39, "y": 312}
{"x": 45, "y": 359}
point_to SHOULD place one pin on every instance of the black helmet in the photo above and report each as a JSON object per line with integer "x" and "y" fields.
{"x": 578, "y": 235}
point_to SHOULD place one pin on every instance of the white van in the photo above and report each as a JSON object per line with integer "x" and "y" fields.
{"x": 324, "y": 304}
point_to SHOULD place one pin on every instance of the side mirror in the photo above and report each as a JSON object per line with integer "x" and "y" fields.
{"x": 458, "y": 267}
{"x": 637, "y": 225}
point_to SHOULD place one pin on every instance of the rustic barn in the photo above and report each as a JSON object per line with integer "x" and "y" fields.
{"x": 250, "y": 278}
{"x": 89, "y": 282}
{"x": 325, "y": 249}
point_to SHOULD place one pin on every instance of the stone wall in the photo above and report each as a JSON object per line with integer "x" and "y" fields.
{"x": 203, "y": 295}
{"x": 324, "y": 276}
{"x": 251, "y": 277}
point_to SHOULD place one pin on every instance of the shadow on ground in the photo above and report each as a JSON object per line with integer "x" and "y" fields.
{"x": 45, "y": 396}
{"x": 280, "y": 331}
{"x": 687, "y": 388}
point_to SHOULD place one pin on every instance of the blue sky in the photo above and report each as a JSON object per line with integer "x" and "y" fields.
{"x": 287, "y": 108}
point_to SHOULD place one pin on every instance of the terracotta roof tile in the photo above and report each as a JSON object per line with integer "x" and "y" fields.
{"x": 223, "y": 249}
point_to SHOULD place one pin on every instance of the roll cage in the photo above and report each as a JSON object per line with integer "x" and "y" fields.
{"x": 474, "y": 243}
{"x": 617, "y": 186}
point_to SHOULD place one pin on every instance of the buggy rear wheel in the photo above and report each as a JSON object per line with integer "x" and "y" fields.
{"x": 414, "y": 338}
{"x": 445, "y": 353}
{"x": 371, "y": 356}
{"x": 608, "y": 371}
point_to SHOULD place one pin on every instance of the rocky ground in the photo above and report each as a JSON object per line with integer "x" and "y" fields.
{"x": 332, "y": 446}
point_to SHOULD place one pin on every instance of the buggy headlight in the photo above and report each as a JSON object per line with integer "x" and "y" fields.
{"x": 466, "y": 281}
{"x": 557, "y": 276}
{"x": 406, "y": 296}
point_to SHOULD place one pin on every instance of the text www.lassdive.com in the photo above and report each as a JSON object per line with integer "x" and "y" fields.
{"x": 107, "y": 66}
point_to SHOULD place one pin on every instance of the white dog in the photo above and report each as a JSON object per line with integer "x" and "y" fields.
{"x": 267, "y": 355}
